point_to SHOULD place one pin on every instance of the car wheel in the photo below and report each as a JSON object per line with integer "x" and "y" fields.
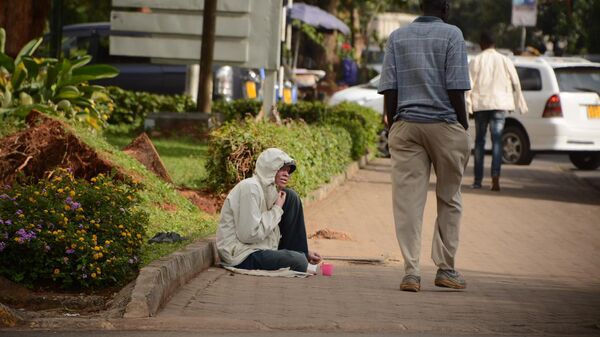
{"x": 515, "y": 146}
{"x": 585, "y": 160}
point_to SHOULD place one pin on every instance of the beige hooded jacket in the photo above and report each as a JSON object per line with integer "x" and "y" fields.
{"x": 249, "y": 217}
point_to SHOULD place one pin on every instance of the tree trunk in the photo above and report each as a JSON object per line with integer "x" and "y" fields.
{"x": 207, "y": 54}
{"x": 23, "y": 21}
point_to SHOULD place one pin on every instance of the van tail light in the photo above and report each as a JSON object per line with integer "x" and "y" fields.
{"x": 553, "y": 108}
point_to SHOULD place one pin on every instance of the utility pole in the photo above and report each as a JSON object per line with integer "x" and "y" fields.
{"x": 206, "y": 55}
{"x": 56, "y": 24}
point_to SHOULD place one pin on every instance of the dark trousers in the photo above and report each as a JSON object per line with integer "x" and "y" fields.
{"x": 495, "y": 119}
{"x": 293, "y": 246}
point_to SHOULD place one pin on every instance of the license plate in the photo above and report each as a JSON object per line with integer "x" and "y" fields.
{"x": 593, "y": 111}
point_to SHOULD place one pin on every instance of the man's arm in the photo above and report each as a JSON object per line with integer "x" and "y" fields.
{"x": 457, "y": 99}
{"x": 390, "y": 101}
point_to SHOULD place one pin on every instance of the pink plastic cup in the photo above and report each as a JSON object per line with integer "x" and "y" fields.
{"x": 327, "y": 269}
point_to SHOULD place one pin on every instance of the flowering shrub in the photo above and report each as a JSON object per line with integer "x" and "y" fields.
{"x": 69, "y": 232}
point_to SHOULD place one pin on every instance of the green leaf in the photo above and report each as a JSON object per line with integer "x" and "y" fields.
{"x": 28, "y": 49}
{"x": 93, "y": 72}
{"x": 19, "y": 76}
{"x": 68, "y": 92}
{"x": 7, "y": 62}
{"x": 65, "y": 71}
{"x": 80, "y": 62}
{"x": 32, "y": 67}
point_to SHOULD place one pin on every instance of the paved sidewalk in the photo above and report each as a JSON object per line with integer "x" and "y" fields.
{"x": 531, "y": 256}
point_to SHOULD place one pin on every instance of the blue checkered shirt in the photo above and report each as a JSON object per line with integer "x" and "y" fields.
{"x": 422, "y": 61}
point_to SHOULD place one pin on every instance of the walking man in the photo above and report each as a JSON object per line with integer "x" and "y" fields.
{"x": 424, "y": 77}
{"x": 496, "y": 90}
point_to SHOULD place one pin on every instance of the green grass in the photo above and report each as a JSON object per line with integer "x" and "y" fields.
{"x": 184, "y": 157}
{"x": 183, "y": 217}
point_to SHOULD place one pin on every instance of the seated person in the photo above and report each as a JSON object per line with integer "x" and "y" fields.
{"x": 262, "y": 221}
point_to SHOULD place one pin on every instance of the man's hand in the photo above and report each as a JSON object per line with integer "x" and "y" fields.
{"x": 314, "y": 257}
{"x": 280, "y": 199}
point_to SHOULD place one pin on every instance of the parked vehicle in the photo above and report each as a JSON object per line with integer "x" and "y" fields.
{"x": 141, "y": 74}
{"x": 563, "y": 96}
{"x": 564, "y": 111}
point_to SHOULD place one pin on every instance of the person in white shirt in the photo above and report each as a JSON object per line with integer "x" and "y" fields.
{"x": 495, "y": 90}
{"x": 262, "y": 222}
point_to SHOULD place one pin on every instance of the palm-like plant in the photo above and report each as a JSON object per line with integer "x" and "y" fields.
{"x": 56, "y": 87}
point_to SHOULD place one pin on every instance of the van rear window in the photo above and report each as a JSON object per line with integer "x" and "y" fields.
{"x": 530, "y": 78}
{"x": 578, "y": 79}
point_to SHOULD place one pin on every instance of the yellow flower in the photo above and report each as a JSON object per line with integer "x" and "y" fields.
{"x": 60, "y": 190}
{"x": 56, "y": 271}
{"x": 67, "y": 207}
{"x": 93, "y": 275}
{"x": 81, "y": 239}
{"x": 72, "y": 193}
{"x": 139, "y": 236}
{"x": 120, "y": 226}
{"x": 93, "y": 180}
{"x": 96, "y": 248}
{"x": 73, "y": 245}
{"x": 100, "y": 255}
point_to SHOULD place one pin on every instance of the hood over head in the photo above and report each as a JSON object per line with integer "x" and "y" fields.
{"x": 267, "y": 165}
{"x": 269, "y": 162}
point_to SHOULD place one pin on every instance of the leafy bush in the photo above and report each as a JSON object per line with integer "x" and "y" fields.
{"x": 310, "y": 112}
{"x": 131, "y": 107}
{"x": 70, "y": 232}
{"x": 362, "y": 123}
{"x": 56, "y": 87}
{"x": 237, "y": 109}
{"x": 320, "y": 152}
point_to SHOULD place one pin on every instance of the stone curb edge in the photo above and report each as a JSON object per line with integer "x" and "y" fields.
{"x": 159, "y": 280}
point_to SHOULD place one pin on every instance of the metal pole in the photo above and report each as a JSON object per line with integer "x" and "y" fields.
{"x": 56, "y": 28}
{"x": 206, "y": 55}
{"x": 523, "y": 37}
{"x": 269, "y": 92}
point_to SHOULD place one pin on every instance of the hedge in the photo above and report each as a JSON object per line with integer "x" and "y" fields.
{"x": 362, "y": 123}
{"x": 320, "y": 152}
{"x": 131, "y": 107}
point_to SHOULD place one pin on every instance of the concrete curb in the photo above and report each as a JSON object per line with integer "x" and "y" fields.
{"x": 159, "y": 280}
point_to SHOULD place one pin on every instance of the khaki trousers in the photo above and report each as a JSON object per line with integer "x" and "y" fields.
{"x": 414, "y": 147}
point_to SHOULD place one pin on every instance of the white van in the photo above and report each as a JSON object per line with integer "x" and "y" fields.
{"x": 564, "y": 111}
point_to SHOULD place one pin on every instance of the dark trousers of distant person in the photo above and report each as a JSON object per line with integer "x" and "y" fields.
{"x": 495, "y": 119}
{"x": 293, "y": 246}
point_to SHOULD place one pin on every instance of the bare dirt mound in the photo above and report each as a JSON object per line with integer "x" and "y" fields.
{"x": 329, "y": 234}
{"x": 46, "y": 145}
{"x": 144, "y": 151}
{"x": 206, "y": 201}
